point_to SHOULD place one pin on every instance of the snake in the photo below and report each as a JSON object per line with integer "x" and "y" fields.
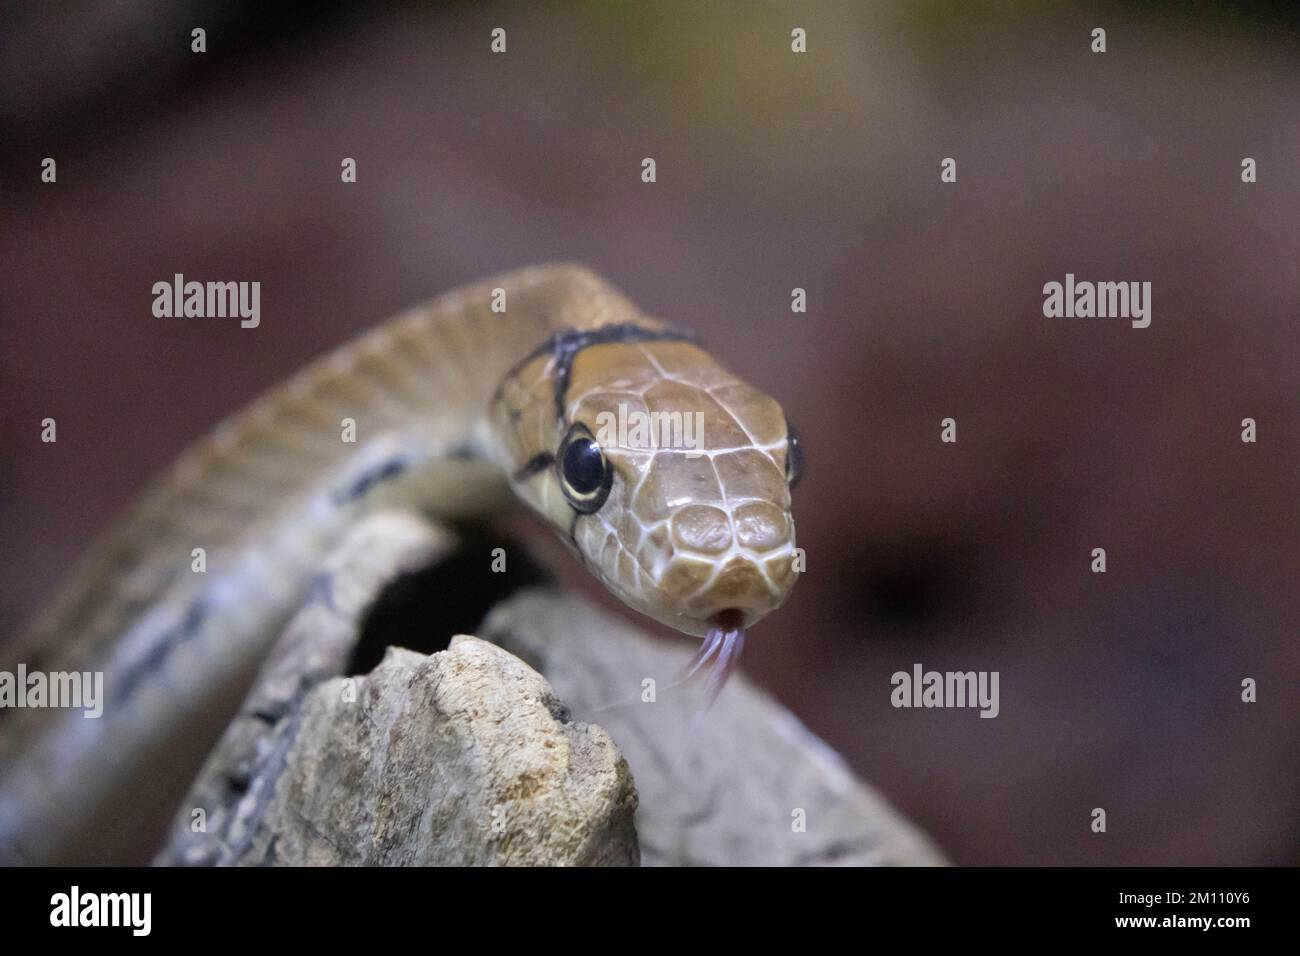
{"x": 499, "y": 392}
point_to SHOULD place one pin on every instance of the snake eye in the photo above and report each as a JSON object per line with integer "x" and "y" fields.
{"x": 793, "y": 456}
{"x": 585, "y": 474}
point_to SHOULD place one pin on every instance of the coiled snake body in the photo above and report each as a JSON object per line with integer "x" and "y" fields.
{"x": 454, "y": 406}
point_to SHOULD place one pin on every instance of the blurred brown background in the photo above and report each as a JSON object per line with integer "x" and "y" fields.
{"x": 775, "y": 170}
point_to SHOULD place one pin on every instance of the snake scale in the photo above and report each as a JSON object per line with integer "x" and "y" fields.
{"x": 490, "y": 393}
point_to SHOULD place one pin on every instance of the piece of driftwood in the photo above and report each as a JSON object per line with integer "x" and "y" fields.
{"x": 740, "y": 783}
{"x": 467, "y": 756}
{"x": 461, "y": 757}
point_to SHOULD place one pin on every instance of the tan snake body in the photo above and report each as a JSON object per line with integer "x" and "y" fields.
{"x": 455, "y": 406}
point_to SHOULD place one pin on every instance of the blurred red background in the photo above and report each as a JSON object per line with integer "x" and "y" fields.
{"x": 775, "y": 170}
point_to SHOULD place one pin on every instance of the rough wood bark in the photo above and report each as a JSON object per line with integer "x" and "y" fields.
{"x": 461, "y": 757}
{"x": 741, "y": 783}
{"x": 468, "y": 756}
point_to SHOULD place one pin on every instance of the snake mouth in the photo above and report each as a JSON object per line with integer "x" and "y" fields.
{"x": 723, "y": 646}
{"x": 732, "y": 619}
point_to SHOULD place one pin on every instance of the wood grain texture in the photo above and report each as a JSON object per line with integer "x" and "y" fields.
{"x": 301, "y": 777}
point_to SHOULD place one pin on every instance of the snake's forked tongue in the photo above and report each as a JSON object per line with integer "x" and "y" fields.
{"x": 719, "y": 652}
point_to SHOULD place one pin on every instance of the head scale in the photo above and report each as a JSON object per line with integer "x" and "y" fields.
{"x": 669, "y": 476}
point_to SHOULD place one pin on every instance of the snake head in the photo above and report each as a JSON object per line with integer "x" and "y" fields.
{"x": 669, "y": 476}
